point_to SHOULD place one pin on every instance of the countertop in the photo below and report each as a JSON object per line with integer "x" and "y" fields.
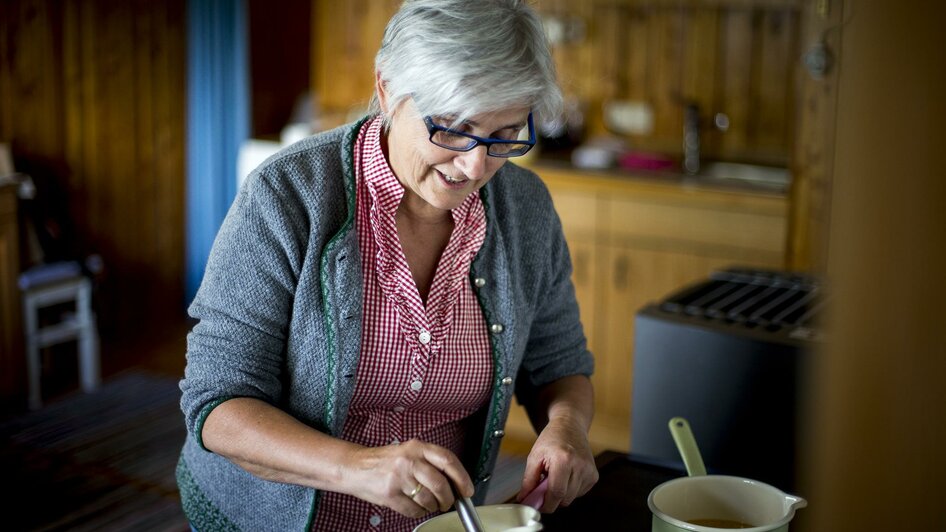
{"x": 675, "y": 178}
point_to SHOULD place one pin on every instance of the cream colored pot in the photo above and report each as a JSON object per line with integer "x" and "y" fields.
{"x": 703, "y": 503}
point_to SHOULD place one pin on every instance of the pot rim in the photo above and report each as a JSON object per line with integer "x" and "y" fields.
{"x": 797, "y": 502}
{"x": 534, "y": 515}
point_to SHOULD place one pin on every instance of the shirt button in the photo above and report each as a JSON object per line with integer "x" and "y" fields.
{"x": 375, "y": 520}
{"x": 398, "y": 409}
{"x": 479, "y": 282}
{"x": 507, "y": 381}
{"x": 498, "y": 433}
{"x": 496, "y": 328}
{"x": 395, "y": 441}
{"x": 424, "y": 337}
{"x": 416, "y": 385}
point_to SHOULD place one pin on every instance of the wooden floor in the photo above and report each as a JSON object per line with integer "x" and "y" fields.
{"x": 98, "y": 461}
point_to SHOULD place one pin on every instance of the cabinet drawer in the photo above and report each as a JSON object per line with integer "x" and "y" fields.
{"x": 703, "y": 225}
{"x": 577, "y": 210}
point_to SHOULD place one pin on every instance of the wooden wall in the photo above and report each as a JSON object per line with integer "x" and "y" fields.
{"x": 345, "y": 38}
{"x": 813, "y": 152}
{"x": 92, "y": 99}
{"x": 725, "y": 56}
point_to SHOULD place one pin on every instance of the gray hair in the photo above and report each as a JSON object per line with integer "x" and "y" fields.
{"x": 460, "y": 58}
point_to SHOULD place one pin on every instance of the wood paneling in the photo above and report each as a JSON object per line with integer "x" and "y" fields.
{"x": 280, "y": 43}
{"x": 730, "y": 57}
{"x": 12, "y": 361}
{"x": 813, "y": 153}
{"x": 345, "y": 39}
{"x": 92, "y": 99}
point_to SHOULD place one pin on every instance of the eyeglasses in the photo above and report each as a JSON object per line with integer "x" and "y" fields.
{"x": 457, "y": 141}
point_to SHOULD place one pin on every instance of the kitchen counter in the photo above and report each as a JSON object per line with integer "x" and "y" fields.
{"x": 673, "y": 178}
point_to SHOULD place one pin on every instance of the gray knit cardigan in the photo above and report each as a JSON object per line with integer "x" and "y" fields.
{"x": 280, "y": 320}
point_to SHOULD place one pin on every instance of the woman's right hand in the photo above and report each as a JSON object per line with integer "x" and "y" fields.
{"x": 271, "y": 444}
{"x": 390, "y": 475}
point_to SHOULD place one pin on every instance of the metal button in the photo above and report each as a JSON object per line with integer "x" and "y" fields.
{"x": 507, "y": 381}
{"x": 424, "y": 337}
{"x": 479, "y": 282}
{"x": 496, "y": 328}
{"x": 498, "y": 433}
{"x": 375, "y": 520}
{"x": 416, "y": 385}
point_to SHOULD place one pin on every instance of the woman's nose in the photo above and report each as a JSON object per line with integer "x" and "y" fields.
{"x": 473, "y": 163}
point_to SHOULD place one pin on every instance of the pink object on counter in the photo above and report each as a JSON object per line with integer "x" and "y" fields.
{"x": 536, "y": 497}
{"x": 638, "y": 160}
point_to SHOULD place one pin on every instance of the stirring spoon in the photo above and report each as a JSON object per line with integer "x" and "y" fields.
{"x": 466, "y": 512}
{"x": 686, "y": 444}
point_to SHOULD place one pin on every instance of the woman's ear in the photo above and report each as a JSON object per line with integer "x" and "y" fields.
{"x": 380, "y": 90}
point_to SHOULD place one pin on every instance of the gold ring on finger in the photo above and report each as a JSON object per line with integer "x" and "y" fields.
{"x": 416, "y": 490}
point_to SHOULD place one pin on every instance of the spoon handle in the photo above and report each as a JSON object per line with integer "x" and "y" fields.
{"x": 686, "y": 444}
{"x": 468, "y": 516}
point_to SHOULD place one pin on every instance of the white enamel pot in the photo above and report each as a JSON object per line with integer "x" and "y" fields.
{"x": 691, "y": 503}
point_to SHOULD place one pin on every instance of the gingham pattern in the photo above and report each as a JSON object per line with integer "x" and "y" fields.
{"x": 453, "y": 367}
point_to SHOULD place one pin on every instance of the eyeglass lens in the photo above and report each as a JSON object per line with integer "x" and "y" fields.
{"x": 455, "y": 141}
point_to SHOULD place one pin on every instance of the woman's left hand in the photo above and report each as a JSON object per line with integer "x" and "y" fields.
{"x": 563, "y": 455}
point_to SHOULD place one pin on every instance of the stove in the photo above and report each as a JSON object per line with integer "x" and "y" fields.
{"x": 730, "y": 354}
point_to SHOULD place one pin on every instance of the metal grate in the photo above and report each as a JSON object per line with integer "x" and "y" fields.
{"x": 754, "y": 299}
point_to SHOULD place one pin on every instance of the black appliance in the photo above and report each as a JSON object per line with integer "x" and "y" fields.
{"x": 730, "y": 355}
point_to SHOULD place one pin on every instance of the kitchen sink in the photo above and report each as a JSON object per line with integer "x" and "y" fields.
{"x": 768, "y": 176}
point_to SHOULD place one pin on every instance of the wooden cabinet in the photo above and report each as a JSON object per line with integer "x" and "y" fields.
{"x": 634, "y": 241}
{"x": 12, "y": 374}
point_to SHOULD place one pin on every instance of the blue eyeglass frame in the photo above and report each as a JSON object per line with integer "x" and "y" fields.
{"x": 476, "y": 141}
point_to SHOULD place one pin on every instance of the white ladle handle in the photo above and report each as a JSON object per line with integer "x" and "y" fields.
{"x": 686, "y": 444}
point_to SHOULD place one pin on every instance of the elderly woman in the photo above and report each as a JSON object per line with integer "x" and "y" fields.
{"x": 379, "y": 292}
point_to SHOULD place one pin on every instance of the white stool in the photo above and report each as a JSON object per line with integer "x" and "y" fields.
{"x": 80, "y": 327}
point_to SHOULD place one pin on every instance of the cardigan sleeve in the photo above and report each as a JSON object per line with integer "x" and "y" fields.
{"x": 556, "y": 346}
{"x": 244, "y": 301}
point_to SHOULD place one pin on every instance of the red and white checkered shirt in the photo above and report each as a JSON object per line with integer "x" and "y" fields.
{"x": 422, "y": 370}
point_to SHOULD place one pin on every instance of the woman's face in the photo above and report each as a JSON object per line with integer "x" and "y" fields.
{"x": 443, "y": 178}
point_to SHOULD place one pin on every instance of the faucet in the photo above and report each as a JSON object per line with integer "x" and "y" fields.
{"x": 691, "y": 135}
{"x": 691, "y": 138}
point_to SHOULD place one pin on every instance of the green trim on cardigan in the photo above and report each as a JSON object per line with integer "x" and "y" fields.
{"x": 202, "y": 514}
{"x": 493, "y": 416}
{"x": 202, "y": 418}
{"x": 348, "y": 174}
